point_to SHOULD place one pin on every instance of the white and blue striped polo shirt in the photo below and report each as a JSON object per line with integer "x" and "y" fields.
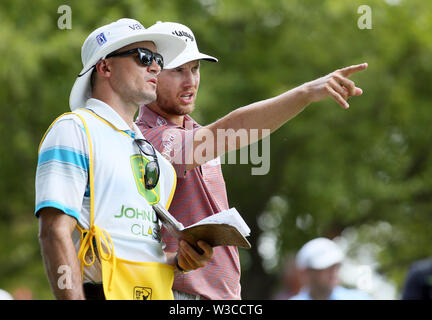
{"x": 122, "y": 206}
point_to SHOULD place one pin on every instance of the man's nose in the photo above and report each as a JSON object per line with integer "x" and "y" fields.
{"x": 154, "y": 68}
{"x": 189, "y": 79}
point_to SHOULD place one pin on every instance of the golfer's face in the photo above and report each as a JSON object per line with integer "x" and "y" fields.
{"x": 177, "y": 88}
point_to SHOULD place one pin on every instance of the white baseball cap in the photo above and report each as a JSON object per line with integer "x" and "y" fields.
{"x": 111, "y": 37}
{"x": 191, "y": 52}
{"x": 319, "y": 254}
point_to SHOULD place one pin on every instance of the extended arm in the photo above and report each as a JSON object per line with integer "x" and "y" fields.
{"x": 272, "y": 113}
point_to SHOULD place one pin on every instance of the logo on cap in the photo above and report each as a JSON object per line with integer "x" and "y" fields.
{"x": 100, "y": 38}
{"x": 136, "y": 26}
{"x": 183, "y": 34}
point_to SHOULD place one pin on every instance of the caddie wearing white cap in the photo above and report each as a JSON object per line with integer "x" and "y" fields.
{"x": 97, "y": 176}
{"x": 319, "y": 260}
{"x": 201, "y": 188}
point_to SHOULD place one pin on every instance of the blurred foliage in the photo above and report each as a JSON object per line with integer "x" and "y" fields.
{"x": 330, "y": 169}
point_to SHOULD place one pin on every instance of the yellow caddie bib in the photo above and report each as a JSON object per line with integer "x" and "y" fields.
{"x": 122, "y": 279}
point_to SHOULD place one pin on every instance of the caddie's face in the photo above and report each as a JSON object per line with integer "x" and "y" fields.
{"x": 177, "y": 88}
{"x": 133, "y": 81}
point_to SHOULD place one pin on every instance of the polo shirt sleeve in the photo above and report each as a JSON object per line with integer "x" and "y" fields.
{"x": 175, "y": 145}
{"x": 63, "y": 166}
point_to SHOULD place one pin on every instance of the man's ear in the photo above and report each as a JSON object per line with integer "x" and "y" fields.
{"x": 103, "y": 68}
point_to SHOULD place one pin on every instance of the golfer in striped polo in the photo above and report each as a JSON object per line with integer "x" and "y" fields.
{"x": 201, "y": 188}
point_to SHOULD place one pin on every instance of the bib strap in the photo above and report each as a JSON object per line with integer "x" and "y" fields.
{"x": 104, "y": 246}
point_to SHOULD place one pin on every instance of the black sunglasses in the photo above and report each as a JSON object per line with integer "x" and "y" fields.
{"x": 146, "y": 56}
{"x": 152, "y": 171}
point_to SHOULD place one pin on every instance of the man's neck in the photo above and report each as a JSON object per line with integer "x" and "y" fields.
{"x": 126, "y": 111}
{"x": 174, "y": 118}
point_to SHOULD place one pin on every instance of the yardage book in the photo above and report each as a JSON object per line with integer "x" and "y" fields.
{"x": 226, "y": 228}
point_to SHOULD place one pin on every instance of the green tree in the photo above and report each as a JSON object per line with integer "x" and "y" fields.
{"x": 331, "y": 170}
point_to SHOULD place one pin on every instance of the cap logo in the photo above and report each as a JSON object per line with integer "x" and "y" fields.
{"x": 183, "y": 34}
{"x": 100, "y": 38}
{"x": 136, "y": 26}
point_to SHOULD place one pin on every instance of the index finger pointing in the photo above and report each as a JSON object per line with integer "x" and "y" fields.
{"x": 346, "y": 72}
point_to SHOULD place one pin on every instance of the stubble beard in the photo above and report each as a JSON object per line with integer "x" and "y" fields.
{"x": 173, "y": 108}
{"x": 136, "y": 95}
{"x": 145, "y": 95}
{"x": 146, "y": 98}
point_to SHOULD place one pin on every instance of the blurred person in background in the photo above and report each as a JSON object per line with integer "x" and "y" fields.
{"x": 319, "y": 261}
{"x": 418, "y": 283}
{"x": 22, "y": 293}
{"x": 291, "y": 280}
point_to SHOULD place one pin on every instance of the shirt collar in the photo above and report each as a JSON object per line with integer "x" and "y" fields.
{"x": 106, "y": 112}
{"x": 153, "y": 119}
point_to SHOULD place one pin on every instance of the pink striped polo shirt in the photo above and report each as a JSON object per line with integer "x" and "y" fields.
{"x": 200, "y": 193}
